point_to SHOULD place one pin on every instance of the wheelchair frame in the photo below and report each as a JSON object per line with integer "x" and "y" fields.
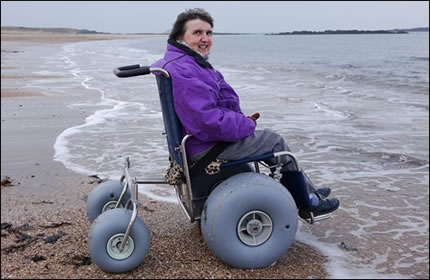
{"x": 184, "y": 191}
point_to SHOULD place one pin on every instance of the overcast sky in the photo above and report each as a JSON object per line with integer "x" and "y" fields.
{"x": 229, "y": 16}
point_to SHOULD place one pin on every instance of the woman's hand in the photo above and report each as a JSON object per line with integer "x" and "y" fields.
{"x": 254, "y": 117}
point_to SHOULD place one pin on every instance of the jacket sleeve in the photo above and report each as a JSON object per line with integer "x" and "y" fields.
{"x": 196, "y": 104}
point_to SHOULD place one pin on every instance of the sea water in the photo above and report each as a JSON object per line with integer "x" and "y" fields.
{"x": 353, "y": 108}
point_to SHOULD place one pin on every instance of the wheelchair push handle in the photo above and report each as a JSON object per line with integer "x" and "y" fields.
{"x": 131, "y": 71}
{"x": 137, "y": 70}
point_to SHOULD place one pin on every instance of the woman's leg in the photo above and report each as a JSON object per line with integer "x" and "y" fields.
{"x": 264, "y": 142}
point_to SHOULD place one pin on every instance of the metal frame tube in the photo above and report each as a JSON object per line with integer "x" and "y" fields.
{"x": 182, "y": 205}
{"x": 285, "y": 153}
{"x": 188, "y": 192}
{"x": 124, "y": 190}
{"x": 151, "y": 181}
{"x": 159, "y": 70}
{"x": 131, "y": 182}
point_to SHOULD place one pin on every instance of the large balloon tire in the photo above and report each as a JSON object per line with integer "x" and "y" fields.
{"x": 106, "y": 232}
{"x": 258, "y": 198}
{"x": 104, "y": 197}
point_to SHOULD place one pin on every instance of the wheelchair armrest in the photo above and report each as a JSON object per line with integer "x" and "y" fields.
{"x": 245, "y": 160}
{"x": 261, "y": 157}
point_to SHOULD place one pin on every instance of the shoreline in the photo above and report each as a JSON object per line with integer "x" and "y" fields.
{"x": 41, "y": 37}
{"x": 46, "y": 194}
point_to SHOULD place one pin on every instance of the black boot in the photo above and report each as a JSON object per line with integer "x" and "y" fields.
{"x": 297, "y": 184}
{"x": 323, "y": 192}
{"x": 326, "y": 206}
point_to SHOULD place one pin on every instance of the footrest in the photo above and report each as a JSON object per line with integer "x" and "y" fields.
{"x": 309, "y": 217}
{"x": 151, "y": 181}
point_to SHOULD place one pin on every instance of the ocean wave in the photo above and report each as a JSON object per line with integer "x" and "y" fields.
{"x": 401, "y": 159}
{"x": 386, "y": 159}
{"x": 231, "y": 70}
{"x": 349, "y": 66}
{"x": 336, "y": 77}
{"x": 331, "y": 111}
{"x": 419, "y": 58}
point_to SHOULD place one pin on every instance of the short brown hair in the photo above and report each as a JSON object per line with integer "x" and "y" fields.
{"x": 190, "y": 14}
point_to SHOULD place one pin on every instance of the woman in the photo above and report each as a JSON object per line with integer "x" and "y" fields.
{"x": 209, "y": 109}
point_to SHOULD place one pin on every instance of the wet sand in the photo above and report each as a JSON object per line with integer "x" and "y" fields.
{"x": 44, "y": 223}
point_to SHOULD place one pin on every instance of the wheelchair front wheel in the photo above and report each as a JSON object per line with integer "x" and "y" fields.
{"x": 106, "y": 235}
{"x": 249, "y": 221}
{"x": 104, "y": 197}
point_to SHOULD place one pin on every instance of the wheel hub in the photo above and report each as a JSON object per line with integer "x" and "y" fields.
{"x": 254, "y": 228}
{"x": 111, "y": 205}
{"x": 114, "y": 244}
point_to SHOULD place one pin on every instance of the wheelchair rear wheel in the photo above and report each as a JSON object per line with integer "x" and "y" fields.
{"x": 249, "y": 221}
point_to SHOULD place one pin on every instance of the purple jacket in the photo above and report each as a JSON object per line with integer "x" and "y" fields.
{"x": 206, "y": 105}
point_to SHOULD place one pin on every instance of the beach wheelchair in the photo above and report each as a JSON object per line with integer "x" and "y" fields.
{"x": 248, "y": 219}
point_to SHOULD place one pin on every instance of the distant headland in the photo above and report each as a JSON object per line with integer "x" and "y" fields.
{"x": 66, "y": 31}
{"x": 327, "y": 32}
{"x": 342, "y": 32}
{"x": 49, "y": 29}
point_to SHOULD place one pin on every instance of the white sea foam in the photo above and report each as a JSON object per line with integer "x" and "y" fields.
{"x": 329, "y": 110}
{"x": 339, "y": 264}
{"x": 159, "y": 193}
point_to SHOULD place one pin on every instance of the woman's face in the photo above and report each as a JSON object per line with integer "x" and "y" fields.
{"x": 198, "y": 35}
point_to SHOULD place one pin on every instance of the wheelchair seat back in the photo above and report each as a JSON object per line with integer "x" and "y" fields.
{"x": 202, "y": 184}
{"x": 171, "y": 122}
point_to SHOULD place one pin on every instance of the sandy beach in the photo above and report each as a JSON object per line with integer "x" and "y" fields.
{"x": 44, "y": 225}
